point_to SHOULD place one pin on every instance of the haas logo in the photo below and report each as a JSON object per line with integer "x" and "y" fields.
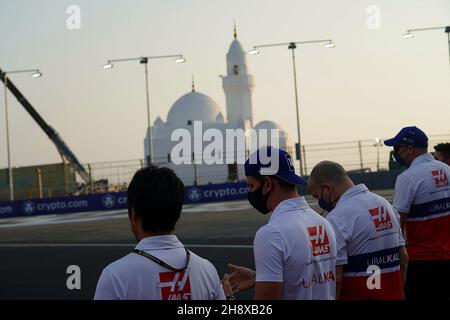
{"x": 440, "y": 178}
{"x": 319, "y": 240}
{"x": 175, "y": 285}
{"x": 381, "y": 218}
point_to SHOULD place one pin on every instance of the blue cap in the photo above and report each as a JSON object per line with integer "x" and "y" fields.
{"x": 411, "y": 136}
{"x": 272, "y": 161}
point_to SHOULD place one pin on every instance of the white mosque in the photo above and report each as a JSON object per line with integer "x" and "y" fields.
{"x": 196, "y": 106}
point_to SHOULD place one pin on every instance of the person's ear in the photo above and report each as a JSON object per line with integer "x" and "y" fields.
{"x": 409, "y": 152}
{"x": 325, "y": 186}
{"x": 313, "y": 189}
{"x": 133, "y": 217}
{"x": 268, "y": 185}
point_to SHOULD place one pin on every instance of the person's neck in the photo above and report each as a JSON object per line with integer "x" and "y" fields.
{"x": 285, "y": 196}
{"x": 415, "y": 156}
{"x": 343, "y": 187}
{"x": 146, "y": 234}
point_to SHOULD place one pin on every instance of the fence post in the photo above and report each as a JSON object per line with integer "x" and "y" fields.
{"x": 360, "y": 155}
{"x": 91, "y": 184}
{"x": 304, "y": 160}
{"x": 378, "y": 157}
{"x": 39, "y": 177}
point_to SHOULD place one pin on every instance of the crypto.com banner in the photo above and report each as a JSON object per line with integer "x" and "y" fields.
{"x": 116, "y": 200}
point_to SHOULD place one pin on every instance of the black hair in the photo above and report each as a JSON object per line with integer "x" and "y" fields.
{"x": 443, "y": 148}
{"x": 156, "y": 195}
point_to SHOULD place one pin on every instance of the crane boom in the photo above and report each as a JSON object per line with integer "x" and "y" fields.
{"x": 59, "y": 143}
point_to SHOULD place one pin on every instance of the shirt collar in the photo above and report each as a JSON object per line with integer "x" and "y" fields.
{"x": 291, "y": 204}
{"x": 353, "y": 191}
{"x": 169, "y": 241}
{"x": 422, "y": 158}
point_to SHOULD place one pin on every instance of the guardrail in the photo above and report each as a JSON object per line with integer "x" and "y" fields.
{"x": 115, "y": 201}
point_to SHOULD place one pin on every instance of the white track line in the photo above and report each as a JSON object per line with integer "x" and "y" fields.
{"x": 113, "y": 214}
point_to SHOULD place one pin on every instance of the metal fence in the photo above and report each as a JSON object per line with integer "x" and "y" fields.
{"x": 360, "y": 155}
{"x": 39, "y": 181}
{"x": 355, "y": 156}
{"x": 111, "y": 176}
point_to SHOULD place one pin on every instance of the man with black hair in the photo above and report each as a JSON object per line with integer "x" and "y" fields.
{"x": 160, "y": 267}
{"x": 442, "y": 152}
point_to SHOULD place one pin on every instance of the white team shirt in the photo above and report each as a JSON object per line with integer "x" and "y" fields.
{"x": 362, "y": 226}
{"x": 297, "y": 247}
{"x": 424, "y": 181}
{"x": 135, "y": 277}
{"x": 368, "y": 233}
{"x": 423, "y": 192}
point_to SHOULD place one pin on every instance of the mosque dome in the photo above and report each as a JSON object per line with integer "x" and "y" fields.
{"x": 193, "y": 106}
{"x": 269, "y": 125}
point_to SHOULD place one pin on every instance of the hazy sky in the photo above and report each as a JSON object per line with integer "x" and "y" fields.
{"x": 370, "y": 85}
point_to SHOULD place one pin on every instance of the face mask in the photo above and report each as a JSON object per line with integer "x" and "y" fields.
{"x": 258, "y": 200}
{"x": 325, "y": 205}
{"x": 399, "y": 159}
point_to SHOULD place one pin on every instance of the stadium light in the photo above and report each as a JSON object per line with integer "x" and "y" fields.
{"x": 328, "y": 43}
{"x": 409, "y": 34}
{"x": 180, "y": 60}
{"x": 144, "y": 60}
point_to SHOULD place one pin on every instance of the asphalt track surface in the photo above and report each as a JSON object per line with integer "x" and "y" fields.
{"x": 36, "y": 251}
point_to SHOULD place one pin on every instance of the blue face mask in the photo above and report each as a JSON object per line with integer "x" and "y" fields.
{"x": 325, "y": 205}
{"x": 399, "y": 159}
